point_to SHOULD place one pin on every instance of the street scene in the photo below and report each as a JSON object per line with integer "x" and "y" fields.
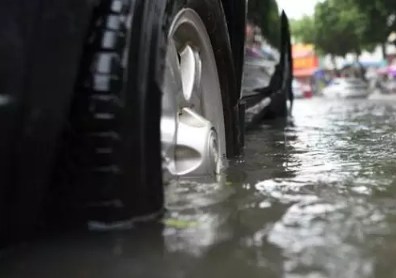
{"x": 186, "y": 139}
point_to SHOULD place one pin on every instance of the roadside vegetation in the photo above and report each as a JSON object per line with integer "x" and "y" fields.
{"x": 339, "y": 27}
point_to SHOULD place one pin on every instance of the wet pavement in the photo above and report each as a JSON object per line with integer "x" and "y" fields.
{"x": 314, "y": 197}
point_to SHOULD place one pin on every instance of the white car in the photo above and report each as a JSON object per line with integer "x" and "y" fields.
{"x": 297, "y": 89}
{"x": 346, "y": 88}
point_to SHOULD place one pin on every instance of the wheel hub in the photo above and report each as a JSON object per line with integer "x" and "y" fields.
{"x": 196, "y": 152}
{"x": 192, "y": 123}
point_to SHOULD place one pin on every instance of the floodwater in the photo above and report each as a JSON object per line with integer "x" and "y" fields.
{"x": 312, "y": 198}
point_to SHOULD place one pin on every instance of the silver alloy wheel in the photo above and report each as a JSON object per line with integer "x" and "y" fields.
{"x": 192, "y": 123}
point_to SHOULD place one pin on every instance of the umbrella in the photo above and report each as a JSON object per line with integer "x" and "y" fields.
{"x": 392, "y": 70}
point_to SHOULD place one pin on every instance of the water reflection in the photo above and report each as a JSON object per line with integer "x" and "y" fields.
{"x": 314, "y": 198}
{"x": 311, "y": 198}
{"x": 82, "y": 255}
{"x": 198, "y": 216}
{"x": 270, "y": 152}
{"x": 333, "y": 225}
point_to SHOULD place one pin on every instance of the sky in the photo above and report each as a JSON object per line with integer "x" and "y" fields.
{"x": 298, "y": 8}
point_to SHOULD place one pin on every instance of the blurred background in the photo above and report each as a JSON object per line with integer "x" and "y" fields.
{"x": 331, "y": 39}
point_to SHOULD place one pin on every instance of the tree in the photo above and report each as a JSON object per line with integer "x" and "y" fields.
{"x": 337, "y": 28}
{"x": 380, "y": 16}
{"x": 340, "y": 27}
{"x": 303, "y": 30}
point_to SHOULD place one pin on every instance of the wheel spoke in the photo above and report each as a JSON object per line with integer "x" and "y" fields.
{"x": 175, "y": 84}
{"x": 191, "y": 67}
{"x": 193, "y": 130}
{"x": 195, "y": 151}
{"x": 196, "y": 96}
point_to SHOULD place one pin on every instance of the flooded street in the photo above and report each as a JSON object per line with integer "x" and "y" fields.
{"x": 313, "y": 198}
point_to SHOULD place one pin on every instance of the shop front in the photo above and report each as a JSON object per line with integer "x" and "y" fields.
{"x": 305, "y": 62}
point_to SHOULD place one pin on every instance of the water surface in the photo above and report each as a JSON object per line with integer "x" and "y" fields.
{"x": 312, "y": 198}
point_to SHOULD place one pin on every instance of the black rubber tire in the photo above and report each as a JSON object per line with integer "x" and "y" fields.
{"x": 289, "y": 70}
{"x": 278, "y": 107}
{"x": 40, "y": 49}
{"x": 110, "y": 165}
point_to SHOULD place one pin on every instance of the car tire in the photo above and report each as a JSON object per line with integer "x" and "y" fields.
{"x": 279, "y": 107}
{"x": 110, "y": 165}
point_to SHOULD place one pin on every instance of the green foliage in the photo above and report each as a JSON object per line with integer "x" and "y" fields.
{"x": 378, "y": 15}
{"x": 339, "y": 27}
{"x": 303, "y": 30}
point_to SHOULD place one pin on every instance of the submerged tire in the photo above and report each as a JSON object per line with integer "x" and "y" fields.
{"x": 110, "y": 165}
{"x": 279, "y": 107}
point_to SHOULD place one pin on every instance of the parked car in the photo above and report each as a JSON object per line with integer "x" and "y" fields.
{"x": 297, "y": 89}
{"x": 346, "y": 88}
{"x": 103, "y": 100}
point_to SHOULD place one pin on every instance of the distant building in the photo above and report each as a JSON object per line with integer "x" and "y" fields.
{"x": 305, "y": 61}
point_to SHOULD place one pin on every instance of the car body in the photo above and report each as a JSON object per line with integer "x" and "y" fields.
{"x": 346, "y": 88}
{"x": 258, "y": 70}
{"x": 267, "y": 79}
